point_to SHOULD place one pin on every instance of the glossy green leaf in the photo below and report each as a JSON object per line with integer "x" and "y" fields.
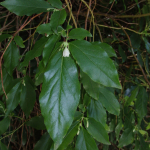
{"x": 28, "y": 97}
{"x": 4, "y": 124}
{"x": 107, "y": 48}
{"x": 44, "y": 143}
{"x": 28, "y": 7}
{"x": 69, "y": 136}
{"x": 35, "y": 52}
{"x": 13, "y": 98}
{"x": 37, "y": 123}
{"x": 85, "y": 141}
{"x": 126, "y": 137}
{"x": 97, "y": 130}
{"x": 133, "y": 95}
{"x": 56, "y": 3}
{"x": 49, "y": 46}
{"x": 97, "y": 112}
{"x": 141, "y": 103}
{"x": 19, "y": 41}
{"x": 79, "y": 33}
{"x": 4, "y": 36}
{"x": 147, "y": 44}
{"x": 44, "y": 29}
{"x": 101, "y": 93}
{"x": 11, "y": 57}
{"x": 3, "y": 146}
{"x": 58, "y": 18}
{"x": 60, "y": 96}
{"x": 92, "y": 56}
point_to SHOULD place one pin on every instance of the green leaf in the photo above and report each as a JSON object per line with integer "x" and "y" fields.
{"x": 28, "y": 7}
{"x": 56, "y": 3}
{"x": 79, "y": 33}
{"x": 97, "y": 112}
{"x": 4, "y": 124}
{"x": 86, "y": 100}
{"x": 19, "y": 41}
{"x": 70, "y": 147}
{"x": 139, "y": 57}
{"x": 147, "y": 63}
{"x": 126, "y": 137}
{"x": 69, "y": 136}
{"x": 147, "y": 45}
{"x": 122, "y": 54}
{"x": 3, "y": 146}
{"x": 35, "y": 52}
{"x": 37, "y": 123}
{"x": 97, "y": 130}
{"x": 4, "y": 36}
{"x": 141, "y": 103}
{"x": 7, "y": 82}
{"x": 68, "y": 27}
{"x": 49, "y": 46}
{"x": 101, "y": 93}
{"x": 28, "y": 97}
{"x": 136, "y": 41}
{"x": 58, "y": 18}
{"x": 107, "y": 48}
{"x": 143, "y": 145}
{"x": 77, "y": 116}
{"x": 133, "y": 95}
{"x": 118, "y": 128}
{"x": 60, "y": 96}
{"x": 11, "y": 57}
{"x": 85, "y": 141}
{"x": 137, "y": 145}
{"x": 39, "y": 74}
{"x": 13, "y": 98}
{"x": 148, "y": 126}
{"x": 2, "y": 107}
{"x": 44, "y": 29}
{"x": 92, "y": 56}
{"x": 44, "y": 143}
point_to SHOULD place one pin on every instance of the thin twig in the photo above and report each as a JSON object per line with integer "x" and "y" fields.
{"x": 24, "y": 24}
{"x": 145, "y": 77}
{"x": 75, "y": 24}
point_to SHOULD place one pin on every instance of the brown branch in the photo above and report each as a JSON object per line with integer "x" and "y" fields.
{"x": 70, "y": 11}
{"x": 145, "y": 77}
{"x": 113, "y": 16}
{"x": 24, "y": 24}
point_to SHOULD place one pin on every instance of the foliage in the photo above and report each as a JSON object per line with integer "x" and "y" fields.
{"x": 74, "y": 75}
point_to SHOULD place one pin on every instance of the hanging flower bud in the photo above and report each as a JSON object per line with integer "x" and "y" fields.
{"x": 66, "y": 52}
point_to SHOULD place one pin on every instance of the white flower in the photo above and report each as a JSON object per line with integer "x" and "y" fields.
{"x": 66, "y": 52}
